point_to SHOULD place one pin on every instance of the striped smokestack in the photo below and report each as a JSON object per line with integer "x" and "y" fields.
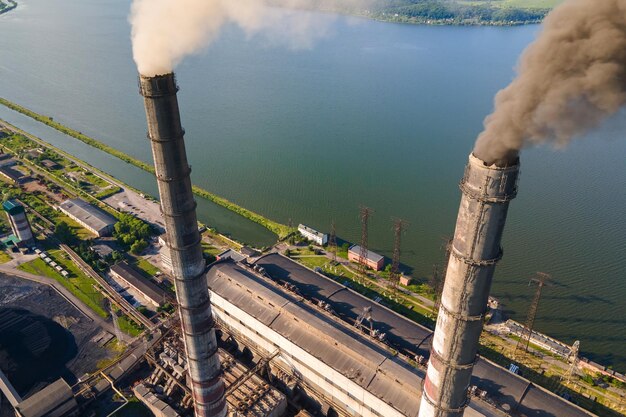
{"x": 486, "y": 192}
{"x": 179, "y": 213}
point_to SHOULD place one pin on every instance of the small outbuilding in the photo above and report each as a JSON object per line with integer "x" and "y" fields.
{"x": 372, "y": 259}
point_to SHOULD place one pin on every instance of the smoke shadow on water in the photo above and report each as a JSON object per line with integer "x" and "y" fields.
{"x": 34, "y": 349}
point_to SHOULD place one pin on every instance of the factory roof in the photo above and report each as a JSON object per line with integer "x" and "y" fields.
{"x": 49, "y": 163}
{"x": 147, "y": 396}
{"x": 365, "y": 362}
{"x": 138, "y": 281}
{"x": 231, "y": 254}
{"x": 13, "y": 206}
{"x": 310, "y": 230}
{"x": 372, "y": 256}
{"x": 102, "y": 248}
{"x": 12, "y": 173}
{"x": 88, "y": 214}
{"x": 404, "y": 334}
{"x": 55, "y": 400}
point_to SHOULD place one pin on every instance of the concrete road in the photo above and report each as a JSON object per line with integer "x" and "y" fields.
{"x": 132, "y": 202}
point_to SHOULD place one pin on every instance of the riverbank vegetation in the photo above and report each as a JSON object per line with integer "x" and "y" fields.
{"x": 280, "y": 230}
{"x": 7, "y": 5}
{"x": 464, "y": 12}
{"x": 446, "y": 12}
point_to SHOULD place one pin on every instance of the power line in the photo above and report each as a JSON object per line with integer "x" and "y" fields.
{"x": 541, "y": 279}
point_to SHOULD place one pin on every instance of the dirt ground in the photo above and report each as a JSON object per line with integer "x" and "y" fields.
{"x": 32, "y": 186}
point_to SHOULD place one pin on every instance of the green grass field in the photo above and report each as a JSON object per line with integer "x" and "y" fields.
{"x": 128, "y": 326}
{"x": 146, "y": 267}
{"x": 77, "y": 283}
{"x": 4, "y": 257}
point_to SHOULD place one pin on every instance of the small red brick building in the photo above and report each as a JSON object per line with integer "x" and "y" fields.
{"x": 372, "y": 260}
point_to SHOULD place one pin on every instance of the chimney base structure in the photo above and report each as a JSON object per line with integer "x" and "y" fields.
{"x": 184, "y": 243}
{"x": 486, "y": 193}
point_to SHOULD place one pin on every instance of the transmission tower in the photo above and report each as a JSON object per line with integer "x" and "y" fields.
{"x": 573, "y": 356}
{"x": 116, "y": 326}
{"x": 541, "y": 279}
{"x": 332, "y": 242}
{"x": 440, "y": 278}
{"x": 394, "y": 276}
{"x": 436, "y": 283}
{"x": 567, "y": 377}
{"x": 365, "y": 213}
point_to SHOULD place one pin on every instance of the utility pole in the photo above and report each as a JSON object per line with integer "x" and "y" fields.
{"x": 332, "y": 242}
{"x": 365, "y": 213}
{"x": 394, "y": 276}
{"x": 541, "y": 279}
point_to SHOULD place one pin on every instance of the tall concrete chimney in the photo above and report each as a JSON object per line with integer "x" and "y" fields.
{"x": 486, "y": 192}
{"x": 179, "y": 213}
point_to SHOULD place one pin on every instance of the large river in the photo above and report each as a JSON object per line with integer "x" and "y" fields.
{"x": 372, "y": 114}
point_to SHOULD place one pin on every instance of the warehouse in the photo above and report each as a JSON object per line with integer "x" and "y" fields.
{"x": 503, "y": 387}
{"x": 90, "y": 217}
{"x": 349, "y": 370}
{"x": 133, "y": 279}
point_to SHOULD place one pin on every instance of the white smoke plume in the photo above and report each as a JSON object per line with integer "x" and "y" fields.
{"x": 165, "y": 31}
{"x": 569, "y": 80}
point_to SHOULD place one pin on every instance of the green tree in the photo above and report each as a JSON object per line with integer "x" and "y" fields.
{"x": 64, "y": 232}
{"x": 138, "y": 246}
{"x": 129, "y": 231}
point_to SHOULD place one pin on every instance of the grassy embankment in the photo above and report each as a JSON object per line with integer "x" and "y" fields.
{"x": 77, "y": 282}
{"x": 460, "y": 12}
{"x": 280, "y": 230}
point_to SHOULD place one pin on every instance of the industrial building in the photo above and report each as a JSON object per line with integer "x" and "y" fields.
{"x": 13, "y": 175}
{"x": 230, "y": 254}
{"x": 157, "y": 406}
{"x": 165, "y": 259}
{"x": 50, "y": 164}
{"x": 345, "y": 369}
{"x": 313, "y": 235}
{"x": 372, "y": 259}
{"x": 6, "y": 160}
{"x": 19, "y": 222}
{"x": 55, "y": 400}
{"x": 90, "y": 217}
{"x": 132, "y": 278}
{"x": 345, "y": 354}
{"x": 166, "y": 392}
{"x": 503, "y": 388}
